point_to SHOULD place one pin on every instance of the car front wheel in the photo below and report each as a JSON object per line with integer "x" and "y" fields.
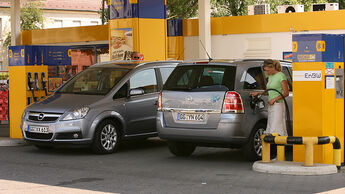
{"x": 106, "y": 138}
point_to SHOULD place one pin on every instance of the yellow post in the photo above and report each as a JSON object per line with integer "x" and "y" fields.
{"x": 309, "y": 143}
{"x": 281, "y": 141}
{"x": 337, "y": 157}
{"x": 309, "y": 154}
{"x": 266, "y": 150}
{"x": 280, "y": 152}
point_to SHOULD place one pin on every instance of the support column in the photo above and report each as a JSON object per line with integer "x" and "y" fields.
{"x": 15, "y": 22}
{"x": 204, "y": 28}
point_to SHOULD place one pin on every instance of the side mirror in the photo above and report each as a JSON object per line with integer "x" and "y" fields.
{"x": 136, "y": 92}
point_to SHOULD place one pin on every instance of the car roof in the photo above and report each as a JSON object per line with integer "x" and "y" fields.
{"x": 242, "y": 62}
{"x": 131, "y": 64}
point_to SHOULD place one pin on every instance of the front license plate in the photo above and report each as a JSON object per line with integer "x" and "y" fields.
{"x": 38, "y": 129}
{"x": 190, "y": 117}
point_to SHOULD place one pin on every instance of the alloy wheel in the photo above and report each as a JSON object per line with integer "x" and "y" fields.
{"x": 109, "y": 137}
{"x": 257, "y": 141}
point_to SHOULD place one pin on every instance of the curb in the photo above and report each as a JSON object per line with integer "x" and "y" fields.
{"x": 294, "y": 168}
{"x": 8, "y": 142}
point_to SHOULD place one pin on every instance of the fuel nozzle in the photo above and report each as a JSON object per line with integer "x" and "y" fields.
{"x": 256, "y": 103}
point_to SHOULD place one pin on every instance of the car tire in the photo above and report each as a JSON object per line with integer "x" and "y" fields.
{"x": 106, "y": 138}
{"x": 44, "y": 147}
{"x": 181, "y": 149}
{"x": 252, "y": 150}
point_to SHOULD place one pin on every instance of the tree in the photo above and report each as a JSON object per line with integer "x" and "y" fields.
{"x": 31, "y": 18}
{"x": 104, "y": 12}
{"x": 187, "y": 9}
{"x": 182, "y": 9}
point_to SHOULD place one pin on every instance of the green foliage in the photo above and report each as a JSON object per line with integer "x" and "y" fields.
{"x": 341, "y": 4}
{"x": 188, "y": 8}
{"x": 104, "y": 12}
{"x": 31, "y": 18}
{"x": 182, "y": 9}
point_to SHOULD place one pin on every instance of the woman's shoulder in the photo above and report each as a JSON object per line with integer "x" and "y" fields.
{"x": 280, "y": 74}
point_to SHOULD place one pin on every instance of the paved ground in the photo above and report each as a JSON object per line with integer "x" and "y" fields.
{"x": 146, "y": 167}
{"x": 4, "y": 130}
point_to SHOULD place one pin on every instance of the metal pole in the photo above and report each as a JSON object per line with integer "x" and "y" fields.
{"x": 15, "y": 22}
{"x": 204, "y": 28}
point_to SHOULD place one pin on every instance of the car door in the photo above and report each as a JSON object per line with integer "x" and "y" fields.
{"x": 141, "y": 108}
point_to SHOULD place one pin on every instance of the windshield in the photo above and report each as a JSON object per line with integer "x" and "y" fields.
{"x": 94, "y": 81}
{"x": 196, "y": 78}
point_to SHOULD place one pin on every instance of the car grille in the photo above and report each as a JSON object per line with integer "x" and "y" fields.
{"x": 48, "y": 117}
{"x": 38, "y": 135}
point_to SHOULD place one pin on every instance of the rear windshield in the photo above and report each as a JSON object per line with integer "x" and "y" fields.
{"x": 197, "y": 78}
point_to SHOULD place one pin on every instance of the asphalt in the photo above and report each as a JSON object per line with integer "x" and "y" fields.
{"x": 4, "y": 130}
{"x": 147, "y": 167}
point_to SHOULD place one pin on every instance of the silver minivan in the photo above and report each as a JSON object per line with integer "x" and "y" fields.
{"x": 99, "y": 107}
{"x": 207, "y": 103}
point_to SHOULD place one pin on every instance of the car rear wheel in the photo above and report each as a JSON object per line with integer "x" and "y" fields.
{"x": 106, "y": 138}
{"x": 253, "y": 149}
{"x": 181, "y": 148}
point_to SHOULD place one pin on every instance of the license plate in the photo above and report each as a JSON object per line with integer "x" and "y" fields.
{"x": 38, "y": 129}
{"x": 190, "y": 117}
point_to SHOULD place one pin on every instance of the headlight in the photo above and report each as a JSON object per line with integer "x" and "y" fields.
{"x": 77, "y": 114}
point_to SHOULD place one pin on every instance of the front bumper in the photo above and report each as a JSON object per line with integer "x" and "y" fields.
{"x": 72, "y": 132}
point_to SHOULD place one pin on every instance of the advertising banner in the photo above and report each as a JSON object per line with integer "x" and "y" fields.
{"x": 121, "y": 43}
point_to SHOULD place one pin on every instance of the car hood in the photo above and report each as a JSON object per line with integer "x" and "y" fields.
{"x": 60, "y": 103}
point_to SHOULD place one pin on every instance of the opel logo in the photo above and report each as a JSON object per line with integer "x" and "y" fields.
{"x": 40, "y": 117}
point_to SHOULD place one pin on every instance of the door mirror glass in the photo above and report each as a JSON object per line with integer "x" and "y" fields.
{"x": 136, "y": 92}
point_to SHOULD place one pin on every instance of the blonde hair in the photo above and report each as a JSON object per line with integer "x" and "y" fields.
{"x": 273, "y": 64}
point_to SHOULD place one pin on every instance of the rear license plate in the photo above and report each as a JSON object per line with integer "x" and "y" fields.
{"x": 190, "y": 117}
{"x": 38, "y": 129}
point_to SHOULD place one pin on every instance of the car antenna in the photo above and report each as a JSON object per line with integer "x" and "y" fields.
{"x": 209, "y": 57}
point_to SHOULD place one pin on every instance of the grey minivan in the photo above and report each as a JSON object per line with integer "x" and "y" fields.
{"x": 207, "y": 103}
{"x": 100, "y": 106}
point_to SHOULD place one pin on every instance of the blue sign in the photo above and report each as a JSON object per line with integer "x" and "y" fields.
{"x": 175, "y": 27}
{"x": 317, "y": 48}
{"x": 119, "y": 9}
{"x": 155, "y": 9}
{"x": 39, "y": 55}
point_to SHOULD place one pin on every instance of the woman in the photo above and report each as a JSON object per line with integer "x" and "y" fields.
{"x": 276, "y": 109}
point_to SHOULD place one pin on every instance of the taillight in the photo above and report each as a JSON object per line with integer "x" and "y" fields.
{"x": 159, "y": 102}
{"x": 232, "y": 103}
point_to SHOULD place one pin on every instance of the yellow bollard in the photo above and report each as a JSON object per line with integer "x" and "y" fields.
{"x": 280, "y": 152}
{"x": 266, "y": 150}
{"x": 337, "y": 157}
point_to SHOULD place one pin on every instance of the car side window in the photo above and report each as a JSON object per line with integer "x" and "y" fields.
{"x": 253, "y": 79}
{"x": 122, "y": 92}
{"x": 165, "y": 72}
{"x": 286, "y": 71}
{"x": 145, "y": 80}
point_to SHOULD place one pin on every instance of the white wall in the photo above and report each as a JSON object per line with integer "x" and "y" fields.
{"x": 240, "y": 46}
{"x": 68, "y": 18}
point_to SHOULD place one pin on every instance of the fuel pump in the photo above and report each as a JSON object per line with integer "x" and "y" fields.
{"x": 44, "y": 83}
{"x": 318, "y": 91}
{"x": 30, "y": 82}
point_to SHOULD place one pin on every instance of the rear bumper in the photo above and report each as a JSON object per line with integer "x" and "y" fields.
{"x": 228, "y": 132}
